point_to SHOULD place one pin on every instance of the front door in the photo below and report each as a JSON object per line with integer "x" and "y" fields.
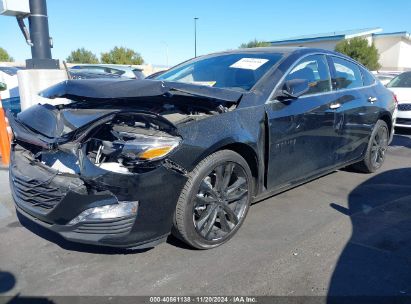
{"x": 302, "y": 134}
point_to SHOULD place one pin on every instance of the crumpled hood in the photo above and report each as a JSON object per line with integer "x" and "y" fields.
{"x": 46, "y": 125}
{"x": 53, "y": 123}
{"x": 98, "y": 100}
{"x": 79, "y": 90}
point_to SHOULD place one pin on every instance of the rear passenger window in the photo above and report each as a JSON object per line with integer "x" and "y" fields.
{"x": 367, "y": 77}
{"x": 348, "y": 74}
{"x": 313, "y": 68}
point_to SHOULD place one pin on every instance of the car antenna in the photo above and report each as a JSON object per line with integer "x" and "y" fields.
{"x": 67, "y": 70}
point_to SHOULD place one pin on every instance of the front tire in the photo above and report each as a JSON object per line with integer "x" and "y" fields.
{"x": 215, "y": 200}
{"x": 377, "y": 146}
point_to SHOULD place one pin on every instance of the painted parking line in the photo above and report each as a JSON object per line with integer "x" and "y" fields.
{"x": 4, "y": 212}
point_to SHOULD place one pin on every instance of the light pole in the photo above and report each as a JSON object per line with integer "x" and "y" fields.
{"x": 37, "y": 36}
{"x": 195, "y": 36}
{"x": 40, "y": 37}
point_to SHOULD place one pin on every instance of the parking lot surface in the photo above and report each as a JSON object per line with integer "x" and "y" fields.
{"x": 343, "y": 234}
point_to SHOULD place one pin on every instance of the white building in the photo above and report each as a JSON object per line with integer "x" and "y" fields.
{"x": 394, "y": 48}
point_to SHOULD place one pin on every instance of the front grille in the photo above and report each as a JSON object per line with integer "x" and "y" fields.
{"x": 116, "y": 226}
{"x": 403, "y": 121}
{"x": 38, "y": 194}
{"x": 404, "y": 107}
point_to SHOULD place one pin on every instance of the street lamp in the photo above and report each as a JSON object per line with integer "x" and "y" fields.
{"x": 195, "y": 36}
{"x": 38, "y": 36}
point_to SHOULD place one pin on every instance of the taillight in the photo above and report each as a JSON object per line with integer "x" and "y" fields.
{"x": 395, "y": 99}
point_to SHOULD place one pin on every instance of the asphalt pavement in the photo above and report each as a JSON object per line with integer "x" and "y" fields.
{"x": 343, "y": 234}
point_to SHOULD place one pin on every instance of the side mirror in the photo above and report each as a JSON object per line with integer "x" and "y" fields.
{"x": 3, "y": 86}
{"x": 294, "y": 88}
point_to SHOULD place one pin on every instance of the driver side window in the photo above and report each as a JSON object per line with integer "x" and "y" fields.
{"x": 315, "y": 70}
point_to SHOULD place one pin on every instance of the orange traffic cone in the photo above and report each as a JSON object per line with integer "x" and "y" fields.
{"x": 4, "y": 138}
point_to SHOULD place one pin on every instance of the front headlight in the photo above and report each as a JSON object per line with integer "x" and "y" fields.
{"x": 125, "y": 152}
{"x": 144, "y": 148}
{"x": 122, "y": 209}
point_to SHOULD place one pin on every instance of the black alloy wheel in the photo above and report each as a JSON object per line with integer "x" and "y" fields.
{"x": 220, "y": 201}
{"x": 377, "y": 146}
{"x": 214, "y": 201}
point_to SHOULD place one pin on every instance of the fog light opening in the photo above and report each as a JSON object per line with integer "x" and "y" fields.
{"x": 122, "y": 209}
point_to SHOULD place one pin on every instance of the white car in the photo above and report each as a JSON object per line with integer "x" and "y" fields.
{"x": 401, "y": 87}
{"x": 384, "y": 78}
{"x": 10, "y": 98}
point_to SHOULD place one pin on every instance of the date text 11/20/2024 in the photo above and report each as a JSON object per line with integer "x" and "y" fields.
{"x": 206, "y": 299}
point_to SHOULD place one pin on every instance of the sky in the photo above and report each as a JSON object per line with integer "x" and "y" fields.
{"x": 157, "y": 28}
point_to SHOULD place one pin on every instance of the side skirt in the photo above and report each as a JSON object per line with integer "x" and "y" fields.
{"x": 302, "y": 181}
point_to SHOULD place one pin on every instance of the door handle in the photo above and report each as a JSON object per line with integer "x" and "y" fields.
{"x": 335, "y": 106}
{"x": 372, "y": 99}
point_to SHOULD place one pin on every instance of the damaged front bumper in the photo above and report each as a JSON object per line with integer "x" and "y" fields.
{"x": 53, "y": 199}
{"x": 111, "y": 150}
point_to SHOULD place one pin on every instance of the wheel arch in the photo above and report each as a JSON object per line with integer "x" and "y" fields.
{"x": 246, "y": 151}
{"x": 386, "y": 117}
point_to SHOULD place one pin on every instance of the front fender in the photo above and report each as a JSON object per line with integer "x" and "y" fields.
{"x": 204, "y": 137}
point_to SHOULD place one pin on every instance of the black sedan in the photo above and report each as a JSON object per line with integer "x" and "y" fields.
{"x": 127, "y": 162}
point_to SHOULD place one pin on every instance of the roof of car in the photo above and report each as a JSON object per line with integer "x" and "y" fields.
{"x": 275, "y": 49}
{"x": 271, "y": 49}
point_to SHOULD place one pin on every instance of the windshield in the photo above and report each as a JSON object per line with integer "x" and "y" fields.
{"x": 401, "y": 81}
{"x": 240, "y": 71}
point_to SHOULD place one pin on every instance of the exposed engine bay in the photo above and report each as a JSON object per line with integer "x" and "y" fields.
{"x": 124, "y": 133}
{"x": 120, "y": 141}
{"x": 127, "y": 142}
{"x": 123, "y": 142}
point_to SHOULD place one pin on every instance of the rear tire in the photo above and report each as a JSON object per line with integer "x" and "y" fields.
{"x": 377, "y": 146}
{"x": 214, "y": 201}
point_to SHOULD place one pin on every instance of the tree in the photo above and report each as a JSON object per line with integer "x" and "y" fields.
{"x": 254, "y": 43}
{"x": 4, "y": 56}
{"x": 82, "y": 56}
{"x": 122, "y": 55}
{"x": 358, "y": 48}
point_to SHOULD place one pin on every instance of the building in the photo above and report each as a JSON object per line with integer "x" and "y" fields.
{"x": 394, "y": 48}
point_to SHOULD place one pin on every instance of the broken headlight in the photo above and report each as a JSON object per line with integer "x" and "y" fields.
{"x": 124, "y": 151}
{"x": 148, "y": 148}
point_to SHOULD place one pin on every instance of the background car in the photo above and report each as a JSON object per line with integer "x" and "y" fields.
{"x": 384, "y": 78}
{"x": 91, "y": 74}
{"x": 11, "y": 96}
{"x": 107, "y": 70}
{"x": 128, "y": 162}
{"x": 401, "y": 87}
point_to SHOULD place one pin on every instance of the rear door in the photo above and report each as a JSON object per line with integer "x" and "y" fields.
{"x": 302, "y": 137}
{"x": 357, "y": 112}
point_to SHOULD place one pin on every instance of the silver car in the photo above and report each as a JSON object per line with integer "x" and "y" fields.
{"x": 115, "y": 70}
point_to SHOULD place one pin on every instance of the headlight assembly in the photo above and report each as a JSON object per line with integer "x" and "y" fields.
{"x": 148, "y": 148}
{"x": 125, "y": 151}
